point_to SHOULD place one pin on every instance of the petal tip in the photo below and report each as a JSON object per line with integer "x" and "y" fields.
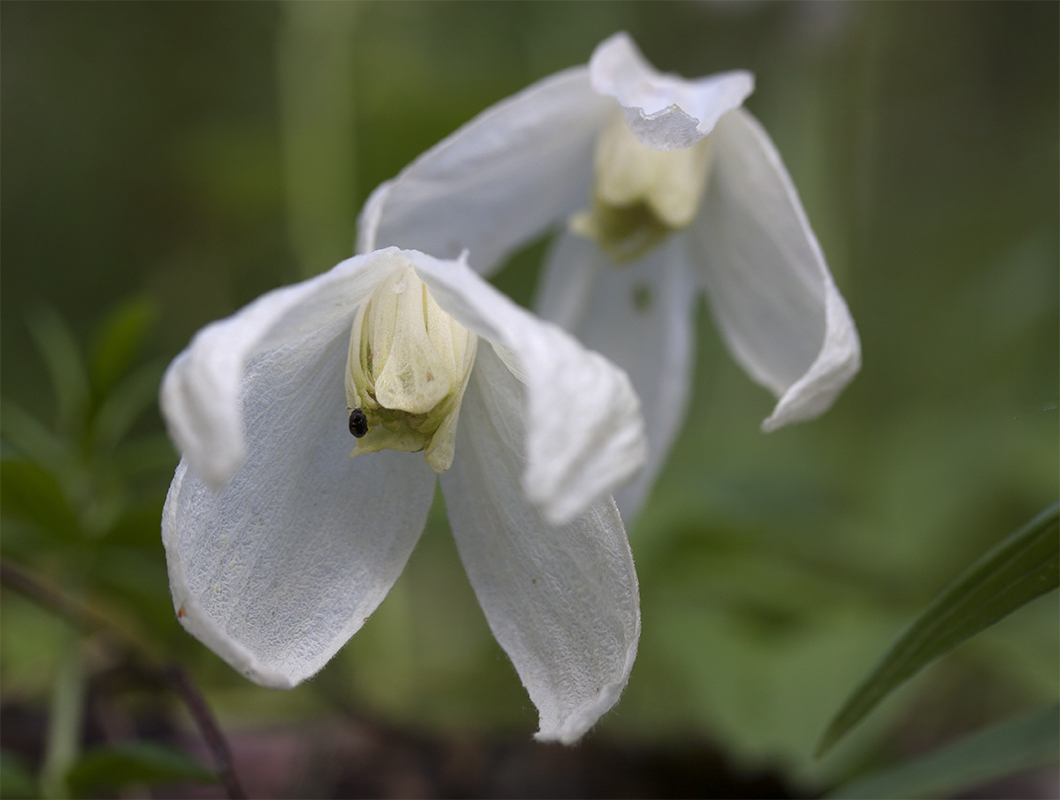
{"x": 578, "y": 723}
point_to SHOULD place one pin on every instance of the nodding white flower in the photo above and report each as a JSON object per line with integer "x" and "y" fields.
{"x": 664, "y": 187}
{"x": 283, "y": 532}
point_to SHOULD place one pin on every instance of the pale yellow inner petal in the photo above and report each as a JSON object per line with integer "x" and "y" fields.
{"x": 407, "y": 369}
{"x": 640, "y": 195}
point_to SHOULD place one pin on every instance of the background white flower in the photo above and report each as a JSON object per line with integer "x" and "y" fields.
{"x": 280, "y": 545}
{"x": 529, "y": 164}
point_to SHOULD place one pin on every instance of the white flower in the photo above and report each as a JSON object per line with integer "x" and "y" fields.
{"x": 665, "y": 187}
{"x": 280, "y": 544}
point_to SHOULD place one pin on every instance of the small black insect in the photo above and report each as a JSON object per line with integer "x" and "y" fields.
{"x": 358, "y": 423}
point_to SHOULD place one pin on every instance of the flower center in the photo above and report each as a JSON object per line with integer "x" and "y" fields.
{"x": 406, "y": 372}
{"x": 640, "y": 195}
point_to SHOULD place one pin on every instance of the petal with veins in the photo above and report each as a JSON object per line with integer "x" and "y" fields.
{"x": 562, "y": 601}
{"x": 200, "y": 395}
{"x": 498, "y": 182}
{"x": 769, "y": 288}
{"x": 666, "y": 112}
{"x": 585, "y": 434}
{"x": 279, "y": 568}
{"x": 641, "y": 317}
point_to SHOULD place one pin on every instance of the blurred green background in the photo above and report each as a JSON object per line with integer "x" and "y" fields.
{"x": 185, "y": 157}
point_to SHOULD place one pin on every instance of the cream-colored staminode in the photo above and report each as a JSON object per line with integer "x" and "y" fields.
{"x": 640, "y": 194}
{"x": 407, "y": 370}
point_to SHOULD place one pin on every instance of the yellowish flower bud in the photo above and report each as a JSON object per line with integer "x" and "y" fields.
{"x": 640, "y": 195}
{"x": 406, "y": 372}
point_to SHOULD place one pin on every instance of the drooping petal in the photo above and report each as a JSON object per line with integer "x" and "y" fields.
{"x": 562, "y": 601}
{"x": 769, "y": 288}
{"x": 585, "y": 434}
{"x": 641, "y": 316}
{"x": 666, "y": 112}
{"x": 200, "y": 395}
{"x": 279, "y": 568}
{"x": 499, "y": 181}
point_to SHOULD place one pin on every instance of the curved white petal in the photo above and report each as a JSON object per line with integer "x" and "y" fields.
{"x": 277, "y": 570}
{"x": 499, "y": 181}
{"x": 768, "y": 285}
{"x": 666, "y": 112}
{"x": 562, "y": 601}
{"x": 585, "y": 434}
{"x": 200, "y": 394}
{"x": 641, "y": 316}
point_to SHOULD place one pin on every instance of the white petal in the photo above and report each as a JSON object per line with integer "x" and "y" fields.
{"x": 562, "y": 601}
{"x": 641, "y": 316}
{"x": 200, "y": 395}
{"x": 666, "y": 112}
{"x": 276, "y": 571}
{"x": 769, "y": 287}
{"x": 499, "y": 181}
{"x": 585, "y": 434}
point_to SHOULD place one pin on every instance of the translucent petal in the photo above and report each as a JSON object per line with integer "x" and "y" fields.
{"x": 666, "y": 112}
{"x": 200, "y": 395}
{"x": 279, "y": 568}
{"x": 562, "y": 601}
{"x": 768, "y": 285}
{"x": 498, "y": 182}
{"x": 641, "y": 316}
{"x": 585, "y": 435}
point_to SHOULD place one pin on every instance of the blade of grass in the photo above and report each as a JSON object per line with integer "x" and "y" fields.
{"x": 1021, "y": 567}
{"x": 1013, "y": 746}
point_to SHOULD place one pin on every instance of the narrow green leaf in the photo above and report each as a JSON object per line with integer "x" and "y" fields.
{"x": 119, "y": 339}
{"x": 145, "y": 454}
{"x": 31, "y": 494}
{"x": 1014, "y": 746}
{"x": 33, "y": 439}
{"x": 1021, "y": 567}
{"x": 134, "y": 762}
{"x": 62, "y": 357}
{"x": 121, "y": 407}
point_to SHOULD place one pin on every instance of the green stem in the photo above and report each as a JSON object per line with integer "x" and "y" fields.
{"x": 66, "y": 718}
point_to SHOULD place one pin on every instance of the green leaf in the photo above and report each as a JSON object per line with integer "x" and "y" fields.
{"x": 145, "y": 454}
{"x": 1014, "y": 746}
{"x": 33, "y": 439}
{"x": 16, "y": 781}
{"x": 134, "y": 762}
{"x": 121, "y": 407}
{"x": 138, "y": 526}
{"x": 1021, "y": 567}
{"x": 31, "y": 494}
{"x": 119, "y": 339}
{"x": 65, "y": 367}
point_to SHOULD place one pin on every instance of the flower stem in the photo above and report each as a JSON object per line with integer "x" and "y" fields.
{"x": 65, "y": 721}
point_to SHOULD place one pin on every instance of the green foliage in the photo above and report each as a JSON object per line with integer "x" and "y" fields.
{"x": 119, "y": 340}
{"x": 774, "y": 569}
{"x": 1030, "y": 741}
{"x": 16, "y": 782}
{"x": 111, "y": 768}
{"x": 1023, "y": 566}
{"x": 31, "y": 494}
{"x": 93, "y": 483}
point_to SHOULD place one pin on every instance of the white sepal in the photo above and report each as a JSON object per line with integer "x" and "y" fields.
{"x": 200, "y": 394}
{"x": 562, "y": 601}
{"x": 585, "y": 435}
{"x": 275, "y": 571}
{"x": 769, "y": 288}
{"x": 643, "y": 316}
{"x": 499, "y": 181}
{"x": 666, "y": 112}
